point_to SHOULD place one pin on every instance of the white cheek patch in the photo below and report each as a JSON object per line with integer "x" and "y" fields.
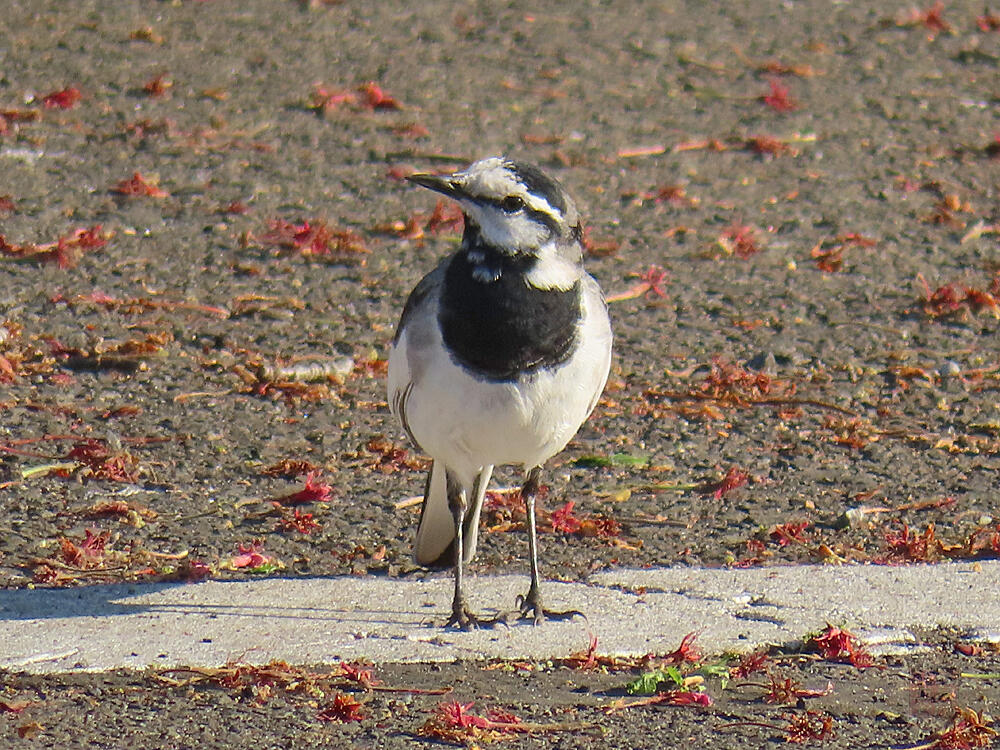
{"x": 552, "y": 271}
{"x": 515, "y": 231}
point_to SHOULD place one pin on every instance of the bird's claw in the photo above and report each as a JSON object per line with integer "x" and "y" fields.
{"x": 463, "y": 619}
{"x": 530, "y": 607}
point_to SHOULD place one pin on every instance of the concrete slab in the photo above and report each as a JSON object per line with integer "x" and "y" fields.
{"x": 388, "y": 620}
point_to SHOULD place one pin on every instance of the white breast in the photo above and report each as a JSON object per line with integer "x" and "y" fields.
{"x": 467, "y": 423}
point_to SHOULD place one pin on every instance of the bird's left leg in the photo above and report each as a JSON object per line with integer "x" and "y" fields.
{"x": 531, "y": 603}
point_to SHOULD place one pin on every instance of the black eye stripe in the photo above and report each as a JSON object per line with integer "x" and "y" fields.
{"x": 499, "y": 202}
{"x": 541, "y": 217}
{"x": 538, "y": 183}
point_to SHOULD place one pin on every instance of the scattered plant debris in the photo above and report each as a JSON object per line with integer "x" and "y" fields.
{"x": 931, "y": 18}
{"x": 136, "y": 305}
{"x": 341, "y": 709}
{"x": 735, "y": 477}
{"x": 100, "y": 461}
{"x": 505, "y": 512}
{"x": 454, "y": 722}
{"x": 314, "y": 491}
{"x": 131, "y": 513}
{"x": 295, "y": 520}
{"x": 988, "y": 22}
{"x": 968, "y": 730}
{"x": 95, "y": 559}
{"x": 785, "y": 690}
{"x": 750, "y": 663}
{"x": 829, "y": 254}
{"x": 159, "y": 85}
{"x": 368, "y": 96}
{"x": 598, "y": 248}
{"x": 650, "y": 286}
{"x": 779, "y": 97}
{"x": 615, "y": 460}
{"x": 63, "y": 99}
{"x": 837, "y": 644}
{"x": 589, "y": 658}
{"x": 313, "y": 239}
{"x": 784, "y": 534}
{"x": 739, "y": 240}
{"x": 137, "y": 185}
{"x": 675, "y": 195}
{"x": 951, "y": 301}
{"x": 289, "y": 467}
{"x": 65, "y": 251}
{"x": 446, "y": 217}
{"x": 390, "y": 458}
{"x": 251, "y": 559}
{"x": 14, "y": 705}
{"x": 729, "y": 386}
{"x": 799, "y": 728}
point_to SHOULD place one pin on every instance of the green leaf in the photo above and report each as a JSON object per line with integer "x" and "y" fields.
{"x": 264, "y": 569}
{"x": 675, "y": 676}
{"x": 719, "y": 669}
{"x": 645, "y": 684}
{"x": 650, "y": 682}
{"x": 615, "y": 459}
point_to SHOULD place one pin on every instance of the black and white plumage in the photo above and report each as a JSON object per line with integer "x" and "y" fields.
{"x": 500, "y": 355}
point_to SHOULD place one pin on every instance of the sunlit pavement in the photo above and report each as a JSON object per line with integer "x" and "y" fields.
{"x": 322, "y": 620}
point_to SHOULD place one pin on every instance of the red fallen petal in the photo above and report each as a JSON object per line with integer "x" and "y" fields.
{"x": 65, "y": 99}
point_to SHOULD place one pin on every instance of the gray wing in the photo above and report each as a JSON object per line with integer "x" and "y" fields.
{"x": 418, "y": 296}
{"x": 417, "y": 316}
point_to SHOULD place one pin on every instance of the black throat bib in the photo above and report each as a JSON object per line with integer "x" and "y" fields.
{"x": 495, "y": 323}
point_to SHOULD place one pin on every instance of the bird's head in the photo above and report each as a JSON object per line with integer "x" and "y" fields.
{"x": 517, "y": 208}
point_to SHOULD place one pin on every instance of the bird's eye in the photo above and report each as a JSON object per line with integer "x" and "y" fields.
{"x": 511, "y": 204}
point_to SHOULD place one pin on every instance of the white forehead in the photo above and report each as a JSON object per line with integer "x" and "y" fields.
{"x": 490, "y": 177}
{"x": 495, "y": 178}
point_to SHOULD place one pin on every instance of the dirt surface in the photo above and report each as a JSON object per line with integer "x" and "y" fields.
{"x": 899, "y": 701}
{"x": 818, "y": 182}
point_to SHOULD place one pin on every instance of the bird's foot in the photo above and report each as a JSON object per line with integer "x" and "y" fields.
{"x": 463, "y": 619}
{"x": 529, "y": 607}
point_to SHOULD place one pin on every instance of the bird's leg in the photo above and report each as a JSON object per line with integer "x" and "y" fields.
{"x": 531, "y": 603}
{"x": 458, "y": 504}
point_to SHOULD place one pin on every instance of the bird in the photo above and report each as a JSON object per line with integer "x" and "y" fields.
{"x": 500, "y": 355}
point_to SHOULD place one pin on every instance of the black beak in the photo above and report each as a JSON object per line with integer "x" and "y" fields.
{"x": 438, "y": 184}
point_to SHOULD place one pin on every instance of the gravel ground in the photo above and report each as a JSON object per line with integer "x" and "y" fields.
{"x": 902, "y": 701}
{"x": 813, "y": 377}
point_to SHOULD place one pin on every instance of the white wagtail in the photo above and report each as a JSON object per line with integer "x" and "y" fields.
{"x": 500, "y": 355}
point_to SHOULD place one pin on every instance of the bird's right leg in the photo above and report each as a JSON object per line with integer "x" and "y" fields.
{"x": 458, "y": 503}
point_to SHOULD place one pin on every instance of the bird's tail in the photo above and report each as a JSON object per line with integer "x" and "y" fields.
{"x": 435, "y": 543}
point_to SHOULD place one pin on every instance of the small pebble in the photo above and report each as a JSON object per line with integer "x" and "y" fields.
{"x": 949, "y": 369}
